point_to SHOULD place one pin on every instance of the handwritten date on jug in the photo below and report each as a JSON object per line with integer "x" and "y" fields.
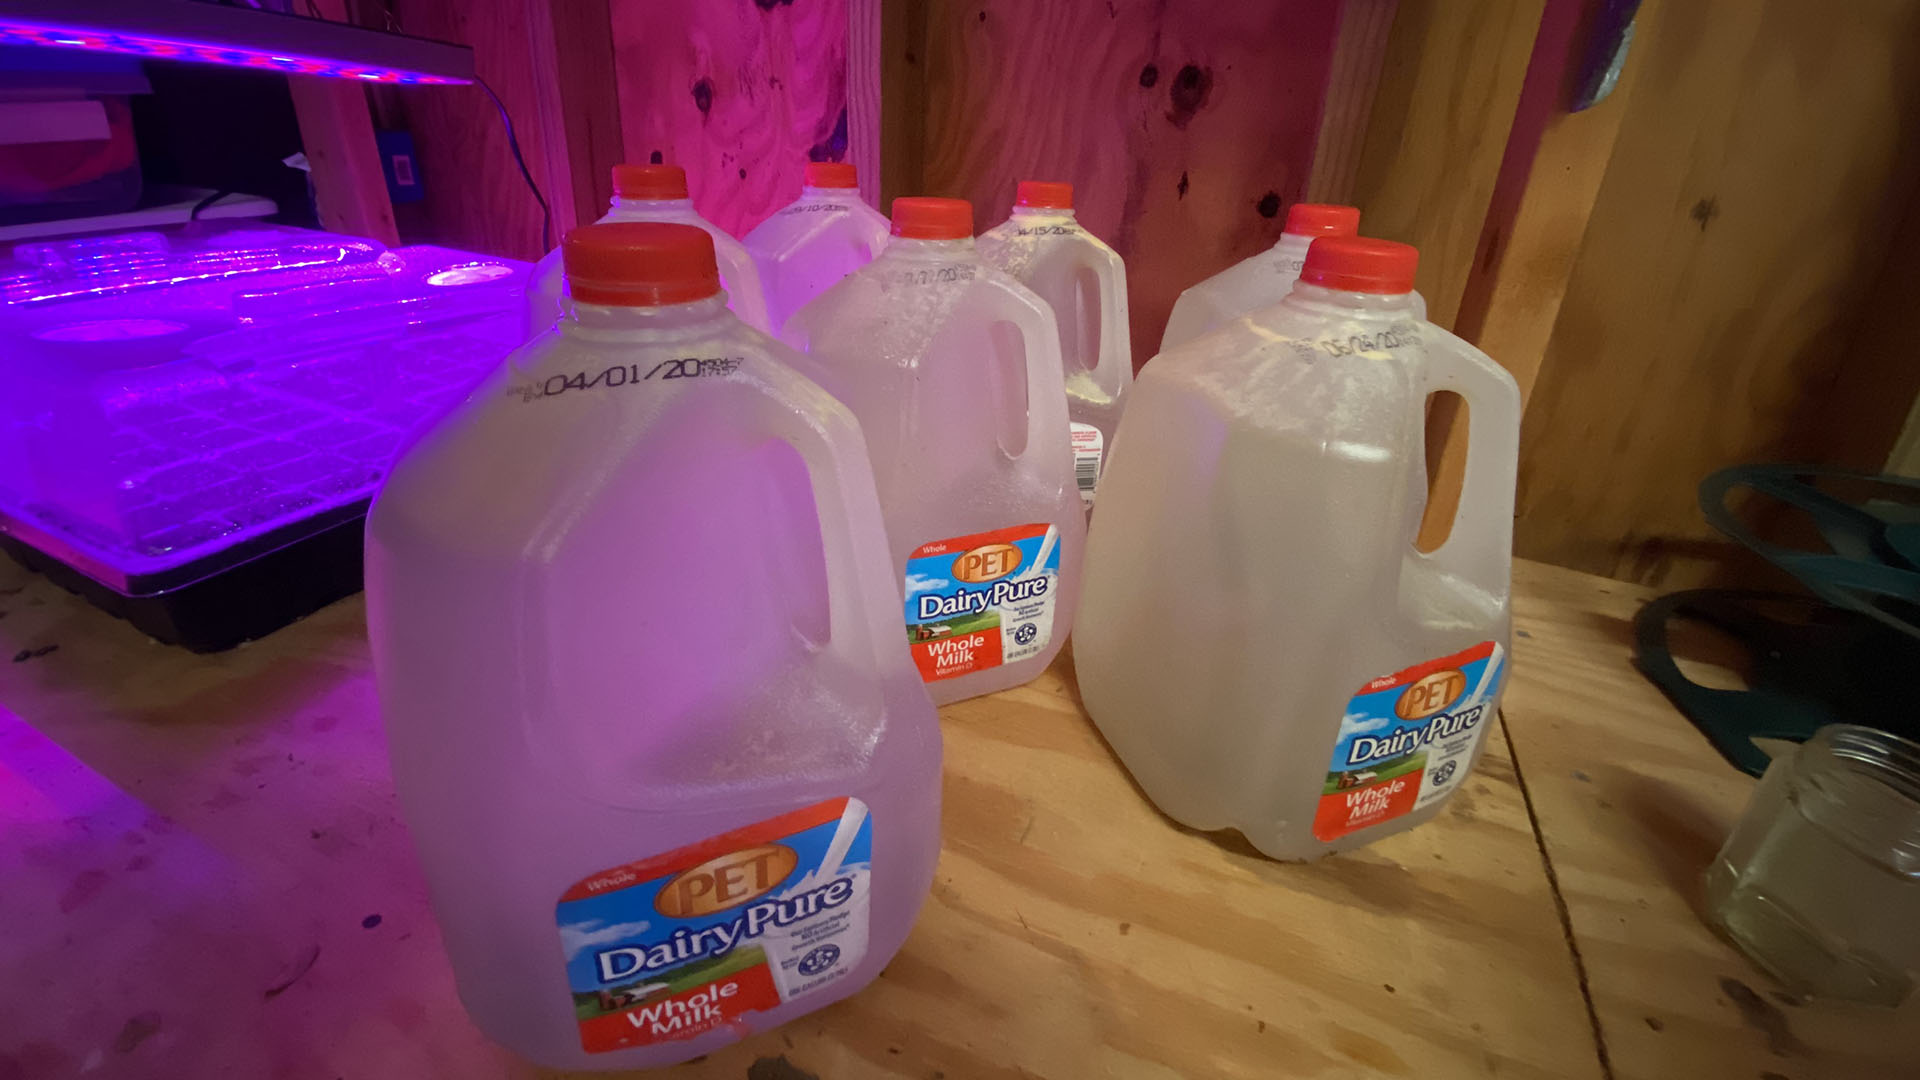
{"x": 686, "y": 367}
{"x": 1396, "y": 337}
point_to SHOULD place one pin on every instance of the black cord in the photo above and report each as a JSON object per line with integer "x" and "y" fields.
{"x": 513, "y": 143}
{"x": 203, "y": 204}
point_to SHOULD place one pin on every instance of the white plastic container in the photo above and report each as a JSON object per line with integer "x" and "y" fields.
{"x": 809, "y": 245}
{"x": 655, "y": 193}
{"x": 1085, "y": 283}
{"x": 671, "y": 774}
{"x": 1260, "y": 280}
{"x": 1259, "y": 639}
{"x": 954, "y": 371}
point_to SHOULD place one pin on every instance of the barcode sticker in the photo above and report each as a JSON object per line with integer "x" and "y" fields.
{"x": 1087, "y": 444}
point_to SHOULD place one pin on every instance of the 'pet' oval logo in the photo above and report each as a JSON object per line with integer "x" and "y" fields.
{"x": 987, "y": 562}
{"x": 726, "y": 881}
{"x": 1431, "y": 694}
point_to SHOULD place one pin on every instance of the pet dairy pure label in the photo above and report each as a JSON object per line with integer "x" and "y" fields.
{"x": 1087, "y": 448}
{"x": 976, "y": 602}
{"x": 1406, "y": 739}
{"x": 681, "y": 944}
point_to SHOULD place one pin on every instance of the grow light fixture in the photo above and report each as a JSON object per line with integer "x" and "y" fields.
{"x": 204, "y": 33}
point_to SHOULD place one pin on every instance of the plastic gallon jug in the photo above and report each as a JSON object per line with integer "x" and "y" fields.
{"x": 655, "y": 193}
{"x": 822, "y": 237}
{"x": 954, "y": 371}
{"x": 1259, "y": 639}
{"x": 671, "y": 774}
{"x": 1085, "y": 283}
{"x": 1263, "y": 279}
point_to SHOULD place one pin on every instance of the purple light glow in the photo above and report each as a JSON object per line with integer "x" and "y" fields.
{"x": 110, "y": 330}
{"x": 21, "y": 32}
{"x": 200, "y": 400}
{"x": 80, "y": 274}
{"x": 470, "y": 274}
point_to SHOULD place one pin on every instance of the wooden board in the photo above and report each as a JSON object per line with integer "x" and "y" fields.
{"x": 1353, "y": 79}
{"x": 336, "y": 134}
{"x": 206, "y": 876}
{"x": 574, "y": 92}
{"x": 1185, "y": 127}
{"x": 1530, "y": 237}
{"x": 476, "y": 199}
{"x": 742, "y": 94}
{"x": 1438, "y": 131}
{"x": 1632, "y": 805}
{"x": 1755, "y": 186}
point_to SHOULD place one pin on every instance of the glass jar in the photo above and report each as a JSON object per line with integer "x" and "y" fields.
{"x": 1820, "y": 882}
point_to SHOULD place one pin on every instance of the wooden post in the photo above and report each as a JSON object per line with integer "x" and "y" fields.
{"x": 1359, "y": 54}
{"x": 865, "y": 102}
{"x": 1529, "y": 237}
{"x": 336, "y": 132}
{"x": 578, "y": 103}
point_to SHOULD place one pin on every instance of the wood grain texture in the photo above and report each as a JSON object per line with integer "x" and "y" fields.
{"x": 1764, "y": 162}
{"x": 866, "y": 62}
{"x": 476, "y": 199}
{"x": 218, "y": 832}
{"x": 1544, "y": 197}
{"x": 903, "y": 99}
{"x": 1353, "y": 78}
{"x": 574, "y": 95}
{"x": 1530, "y": 235}
{"x": 1437, "y": 133}
{"x": 336, "y": 133}
{"x": 1185, "y": 127}
{"x": 1633, "y": 804}
{"x": 742, "y": 93}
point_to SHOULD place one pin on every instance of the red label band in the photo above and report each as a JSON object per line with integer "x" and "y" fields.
{"x": 1358, "y": 807}
{"x": 684, "y": 1015}
{"x": 948, "y": 657}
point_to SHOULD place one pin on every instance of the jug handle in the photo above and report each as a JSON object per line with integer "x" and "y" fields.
{"x": 748, "y": 294}
{"x": 1479, "y": 548}
{"x": 1115, "y": 367}
{"x": 1047, "y": 430}
{"x": 852, "y": 532}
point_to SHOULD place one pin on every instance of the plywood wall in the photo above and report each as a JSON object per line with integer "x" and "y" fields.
{"x": 1185, "y": 126}
{"x": 1719, "y": 309}
{"x": 743, "y": 93}
{"x": 476, "y": 199}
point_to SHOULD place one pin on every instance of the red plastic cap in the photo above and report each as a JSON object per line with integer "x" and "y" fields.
{"x": 1322, "y": 219}
{"x": 640, "y": 264}
{"x": 837, "y": 174}
{"x": 650, "y": 181}
{"x": 919, "y": 218}
{"x": 1049, "y": 194}
{"x": 1361, "y": 264}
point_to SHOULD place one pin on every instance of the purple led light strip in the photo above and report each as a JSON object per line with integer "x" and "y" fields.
{"x": 21, "y": 32}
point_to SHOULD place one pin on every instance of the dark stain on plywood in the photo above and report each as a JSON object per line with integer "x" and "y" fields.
{"x": 1189, "y": 93}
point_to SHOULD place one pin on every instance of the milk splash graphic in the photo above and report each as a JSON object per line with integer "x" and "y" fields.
{"x": 794, "y": 953}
